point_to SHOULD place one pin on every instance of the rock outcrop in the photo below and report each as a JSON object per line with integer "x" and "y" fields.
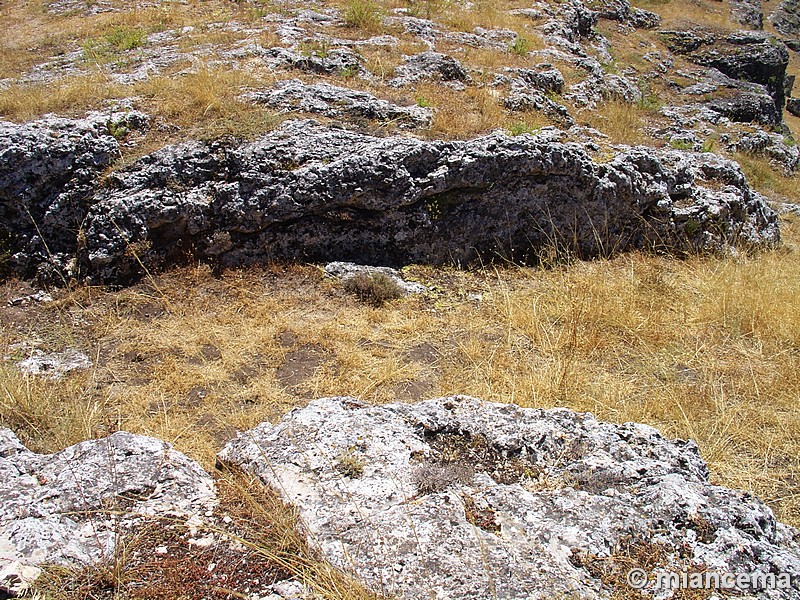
{"x": 72, "y": 506}
{"x": 459, "y": 498}
{"x": 752, "y": 56}
{"x": 309, "y": 192}
{"x": 338, "y": 102}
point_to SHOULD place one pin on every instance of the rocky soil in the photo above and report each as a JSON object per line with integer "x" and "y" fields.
{"x": 428, "y": 134}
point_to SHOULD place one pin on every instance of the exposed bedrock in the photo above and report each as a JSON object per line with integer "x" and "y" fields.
{"x": 310, "y": 192}
{"x": 459, "y": 498}
{"x": 752, "y": 56}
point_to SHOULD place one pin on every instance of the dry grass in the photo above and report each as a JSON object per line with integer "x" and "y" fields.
{"x": 69, "y": 96}
{"x": 766, "y": 177}
{"x": 265, "y": 547}
{"x": 683, "y": 14}
{"x": 706, "y": 348}
{"x": 622, "y": 121}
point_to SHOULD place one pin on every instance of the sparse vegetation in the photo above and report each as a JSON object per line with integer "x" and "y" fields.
{"x": 521, "y": 46}
{"x": 363, "y": 14}
{"x": 374, "y": 288}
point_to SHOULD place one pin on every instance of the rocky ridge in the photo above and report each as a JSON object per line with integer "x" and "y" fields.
{"x": 311, "y": 192}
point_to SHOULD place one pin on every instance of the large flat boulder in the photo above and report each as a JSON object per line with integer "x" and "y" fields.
{"x": 460, "y": 498}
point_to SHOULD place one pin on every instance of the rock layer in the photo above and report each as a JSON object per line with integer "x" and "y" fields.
{"x": 459, "y": 498}
{"x": 309, "y": 192}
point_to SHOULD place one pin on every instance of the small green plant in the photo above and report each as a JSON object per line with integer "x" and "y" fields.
{"x": 122, "y": 39}
{"x": 349, "y": 71}
{"x": 520, "y": 128}
{"x": 375, "y": 288}
{"x": 117, "y": 130}
{"x": 423, "y": 102}
{"x": 692, "y": 228}
{"x": 648, "y": 100}
{"x": 319, "y": 49}
{"x": 681, "y": 144}
{"x": 520, "y": 47}
{"x": 708, "y": 145}
{"x": 362, "y": 14}
{"x": 349, "y": 464}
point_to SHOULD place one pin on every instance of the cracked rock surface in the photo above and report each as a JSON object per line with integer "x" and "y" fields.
{"x": 70, "y": 507}
{"x": 310, "y": 192}
{"x": 460, "y": 498}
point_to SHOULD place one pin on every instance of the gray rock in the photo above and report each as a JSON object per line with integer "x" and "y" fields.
{"x": 622, "y": 11}
{"x": 70, "y": 507}
{"x": 521, "y": 100}
{"x": 544, "y": 78}
{"x": 48, "y": 170}
{"x": 785, "y": 157}
{"x": 786, "y": 18}
{"x": 748, "y": 13}
{"x": 793, "y": 106}
{"x": 348, "y": 270}
{"x": 459, "y": 498}
{"x": 338, "y": 102}
{"x": 752, "y": 56}
{"x": 309, "y": 192}
{"x": 329, "y": 62}
{"x": 747, "y": 107}
{"x": 54, "y": 365}
{"x": 428, "y": 66}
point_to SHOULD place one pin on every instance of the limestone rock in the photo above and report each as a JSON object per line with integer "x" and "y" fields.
{"x": 748, "y": 13}
{"x": 753, "y": 56}
{"x": 330, "y": 62}
{"x": 786, "y": 18}
{"x": 309, "y": 192}
{"x": 431, "y": 66}
{"x": 70, "y": 507}
{"x": 338, "y": 102}
{"x": 348, "y": 270}
{"x": 459, "y": 498}
{"x": 793, "y": 106}
{"x": 46, "y": 171}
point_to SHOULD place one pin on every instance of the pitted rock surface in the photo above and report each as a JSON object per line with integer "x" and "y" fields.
{"x": 338, "y": 102}
{"x": 431, "y": 66}
{"x": 310, "y": 192}
{"x": 753, "y": 56}
{"x": 70, "y": 507}
{"x": 460, "y": 498}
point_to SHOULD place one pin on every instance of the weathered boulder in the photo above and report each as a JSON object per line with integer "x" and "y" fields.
{"x": 47, "y": 169}
{"x": 748, "y": 13}
{"x": 747, "y": 107}
{"x": 335, "y": 61}
{"x": 338, "y": 102}
{"x": 793, "y": 106}
{"x": 622, "y": 11}
{"x": 72, "y": 506}
{"x": 309, "y": 192}
{"x": 754, "y": 56}
{"x": 459, "y": 498}
{"x": 348, "y": 270}
{"x": 428, "y": 66}
{"x": 786, "y": 18}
